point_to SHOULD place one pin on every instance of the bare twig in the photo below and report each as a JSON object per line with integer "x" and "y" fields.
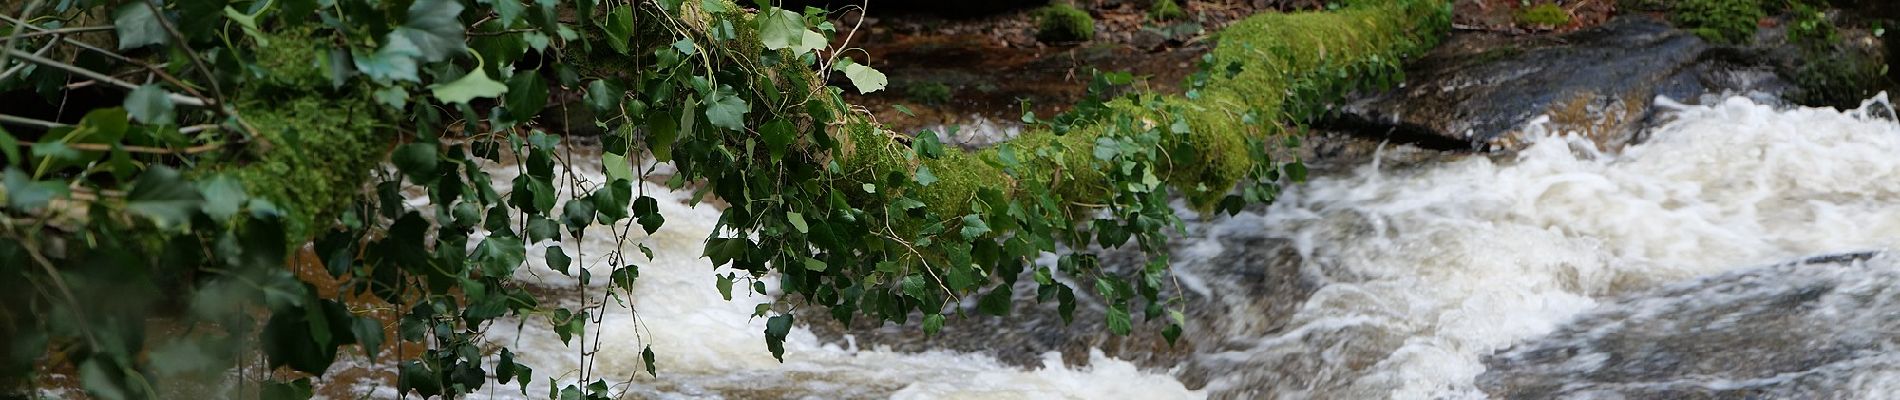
{"x": 62, "y": 31}
{"x": 23, "y": 121}
{"x": 14, "y": 38}
{"x": 17, "y": 68}
{"x": 154, "y": 69}
{"x": 176, "y": 98}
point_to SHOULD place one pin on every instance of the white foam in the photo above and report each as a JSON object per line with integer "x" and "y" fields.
{"x": 1456, "y": 260}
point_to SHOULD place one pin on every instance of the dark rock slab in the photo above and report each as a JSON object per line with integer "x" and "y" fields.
{"x": 1479, "y": 87}
{"x": 1804, "y": 330}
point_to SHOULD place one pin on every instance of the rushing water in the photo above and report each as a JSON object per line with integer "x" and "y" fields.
{"x": 1423, "y": 273}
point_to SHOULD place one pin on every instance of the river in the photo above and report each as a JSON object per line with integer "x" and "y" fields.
{"x": 1420, "y": 273}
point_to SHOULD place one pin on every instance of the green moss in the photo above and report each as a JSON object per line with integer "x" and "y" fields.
{"x": 1166, "y": 10}
{"x": 1720, "y": 21}
{"x": 322, "y": 149}
{"x": 1545, "y": 15}
{"x": 294, "y": 59}
{"x": 1062, "y": 22}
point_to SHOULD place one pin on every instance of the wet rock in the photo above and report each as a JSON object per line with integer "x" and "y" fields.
{"x": 1478, "y": 87}
{"x": 1819, "y": 328}
{"x": 1237, "y": 283}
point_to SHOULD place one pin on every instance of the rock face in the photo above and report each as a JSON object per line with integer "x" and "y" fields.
{"x": 1478, "y": 87}
{"x": 1820, "y": 328}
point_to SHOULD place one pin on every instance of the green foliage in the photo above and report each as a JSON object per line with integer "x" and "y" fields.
{"x": 204, "y": 205}
{"x": 1543, "y": 15}
{"x": 1166, "y": 10}
{"x": 1720, "y": 21}
{"x": 1062, "y": 22}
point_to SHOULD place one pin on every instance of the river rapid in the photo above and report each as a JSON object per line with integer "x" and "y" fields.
{"x": 1423, "y": 272}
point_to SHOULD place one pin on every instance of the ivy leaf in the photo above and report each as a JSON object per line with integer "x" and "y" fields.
{"x": 775, "y": 330}
{"x": 725, "y": 109}
{"x": 867, "y": 79}
{"x": 604, "y": 96}
{"x": 369, "y": 332}
{"x": 150, "y": 104}
{"x": 23, "y": 193}
{"x": 924, "y": 176}
{"x": 510, "y": 12}
{"x": 223, "y": 197}
{"x": 798, "y": 222}
{"x": 778, "y": 136}
{"x": 619, "y": 28}
{"x": 499, "y": 255}
{"x": 558, "y": 259}
{"x": 1118, "y": 321}
{"x": 647, "y": 212}
{"x": 395, "y": 61}
{"x": 160, "y": 194}
{"x": 725, "y": 286}
{"x": 974, "y": 227}
{"x": 137, "y": 26}
{"x": 577, "y": 214}
{"x": 815, "y": 265}
{"x": 646, "y": 356}
{"x": 781, "y": 29}
{"x": 996, "y": 303}
{"x": 933, "y": 323}
{"x": 434, "y": 29}
{"x": 416, "y": 160}
{"x": 927, "y": 145}
{"x": 527, "y": 94}
{"x": 476, "y": 84}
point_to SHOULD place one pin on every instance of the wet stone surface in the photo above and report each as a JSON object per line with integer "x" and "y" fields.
{"x": 1798, "y": 330}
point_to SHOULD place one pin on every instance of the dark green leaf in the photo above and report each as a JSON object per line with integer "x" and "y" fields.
{"x": 417, "y": 160}
{"x": 1118, "y": 321}
{"x": 924, "y": 176}
{"x": 434, "y": 29}
{"x": 24, "y": 193}
{"x": 138, "y": 26}
{"x": 498, "y": 255}
{"x": 162, "y": 195}
{"x": 369, "y": 333}
{"x": 973, "y": 227}
{"x": 527, "y": 94}
{"x": 620, "y": 28}
{"x": 223, "y": 197}
{"x": 725, "y": 109}
{"x": 558, "y": 260}
{"x": 996, "y": 303}
{"x": 646, "y": 356}
{"x": 775, "y": 330}
{"x": 933, "y": 323}
{"x": 778, "y": 136}
{"x": 150, "y": 104}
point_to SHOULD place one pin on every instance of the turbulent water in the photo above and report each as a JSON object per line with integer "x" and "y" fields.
{"x": 1423, "y": 273}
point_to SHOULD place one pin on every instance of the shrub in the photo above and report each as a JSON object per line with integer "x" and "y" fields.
{"x": 1064, "y": 23}
{"x": 1166, "y": 10}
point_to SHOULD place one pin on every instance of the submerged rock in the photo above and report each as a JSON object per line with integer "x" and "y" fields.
{"x": 1820, "y": 328}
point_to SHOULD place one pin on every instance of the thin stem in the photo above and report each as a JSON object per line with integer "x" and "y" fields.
{"x": 176, "y": 98}
{"x": 62, "y": 31}
{"x": 17, "y": 68}
{"x": 193, "y": 91}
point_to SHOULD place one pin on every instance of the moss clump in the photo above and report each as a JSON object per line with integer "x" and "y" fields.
{"x": 1720, "y": 21}
{"x": 294, "y": 59}
{"x": 1062, "y": 22}
{"x": 1543, "y": 15}
{"x": 322, "y": 150}
{"x": 1166, "y": 10}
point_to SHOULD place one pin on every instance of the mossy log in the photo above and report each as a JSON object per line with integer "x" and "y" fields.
{"x": 1287, "y": 63}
